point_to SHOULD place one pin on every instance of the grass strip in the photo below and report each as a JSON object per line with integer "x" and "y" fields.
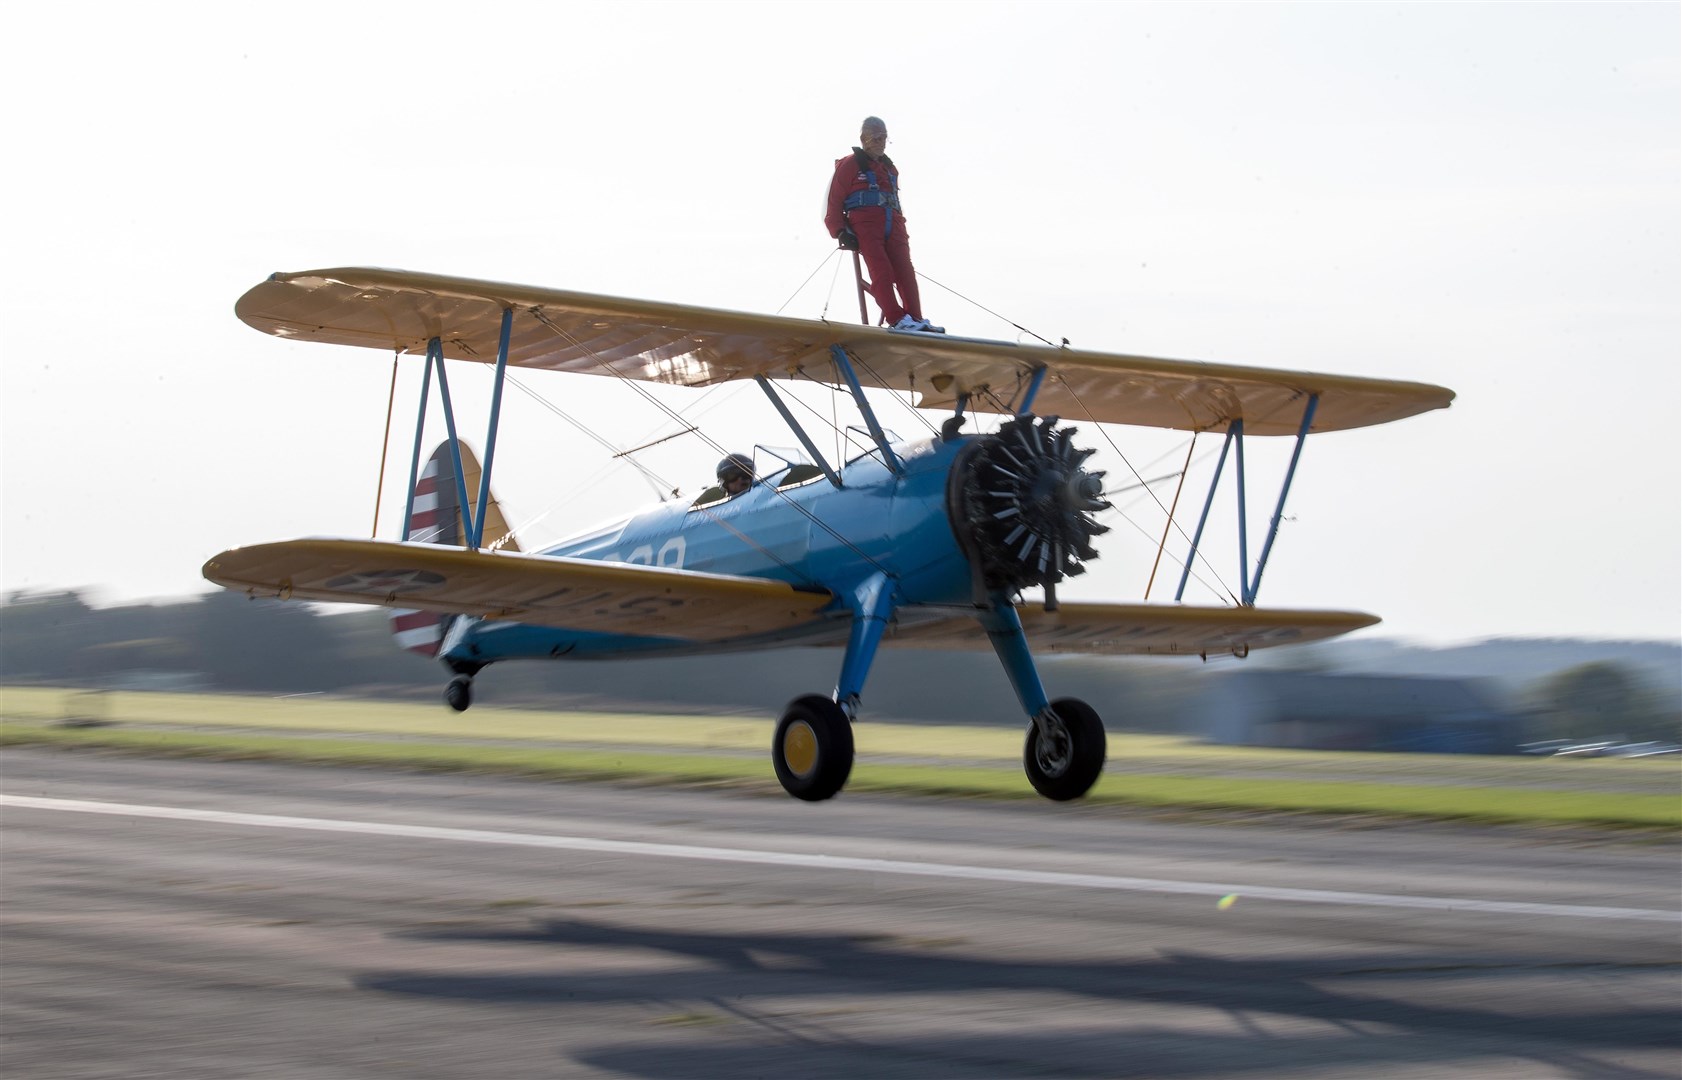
{"x": 972, "y": 743}
{"x": 342, "y": 716}
{"x": 1395, "y": 800}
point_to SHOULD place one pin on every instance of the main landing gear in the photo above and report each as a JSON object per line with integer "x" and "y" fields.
{"x": 1063, "y": 754}
{"x": 812, "y": 750}
{"x": 1065, "y": 750}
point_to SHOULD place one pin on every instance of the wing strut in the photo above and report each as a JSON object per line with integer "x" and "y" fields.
{"x": 794, "y": 426}
{"x": 845, "y": 363}
{"x": 420, "y": 429}
{"x": 474, "y": 515}
{"x": 1034, "y": 384}
{"x": 1235, "y": 436}
{"x": 1279, "y": 510}
{"x": 490, "y": 435}
{"x": 455, "y": 441}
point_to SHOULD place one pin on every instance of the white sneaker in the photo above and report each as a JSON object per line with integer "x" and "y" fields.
{"x": 907, "y": 322}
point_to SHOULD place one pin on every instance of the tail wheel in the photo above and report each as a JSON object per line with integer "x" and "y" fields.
{"x": 1065, "y": 750}
{"x": 459, "y": 694}
{"x": 812, "y": 750}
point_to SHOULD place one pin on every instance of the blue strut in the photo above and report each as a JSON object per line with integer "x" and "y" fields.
{"x": 845, "y": 363}
{"x": 478, "y": 534}
{"x": 1004, "y": 630}
{"x": 1034, "y": 384}
{"x": 872, "y": 602}
{"x": 414, "y": 462}
{"x": 1279, "y": 510}
{"x": 1235, "y": 428}
{"x": 433, "y": 346}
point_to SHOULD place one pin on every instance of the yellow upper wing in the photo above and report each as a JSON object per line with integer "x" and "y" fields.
{"x": 577, "y": 594}
{"x": 1144, "y": 629}
{"x": 691, "y": 346}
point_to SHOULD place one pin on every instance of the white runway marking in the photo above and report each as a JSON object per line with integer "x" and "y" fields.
{"x": 838, "y": 862}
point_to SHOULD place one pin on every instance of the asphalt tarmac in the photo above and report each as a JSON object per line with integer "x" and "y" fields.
{"x": 189, "y": 919}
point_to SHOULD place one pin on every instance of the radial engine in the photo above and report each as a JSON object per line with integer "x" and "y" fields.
{"x": 1021, "y": 505}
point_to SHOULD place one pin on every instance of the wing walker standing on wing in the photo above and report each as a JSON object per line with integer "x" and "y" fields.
{"x": 863, "y": 214}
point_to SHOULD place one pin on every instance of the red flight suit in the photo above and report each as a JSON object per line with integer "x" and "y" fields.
{"x": 883, "y": 241}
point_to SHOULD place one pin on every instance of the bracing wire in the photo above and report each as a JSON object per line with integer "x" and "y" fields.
{"x": 808, "y": 281}
{"x": 842, "y": 435}
{"x": 987, "y": 309}
{"x": 1142, "y": 483}
{"x": 655, "y": 480}
{"x": 661, "y": 486}
{"x": 1148, "y": 490}
{"x": 385, "y": 446}
{"x": 882, "y": 383}
{"x": 642, "y": 392}
{"x": 651, "y": 475}
{"x": 1162, "y": 545}
{"x": 1169, "y": 512}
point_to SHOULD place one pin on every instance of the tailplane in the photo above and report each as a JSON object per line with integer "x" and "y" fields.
{"x": 437, "y": 519}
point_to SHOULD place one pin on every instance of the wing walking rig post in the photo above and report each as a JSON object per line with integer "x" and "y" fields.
{"x": 923, "y": 543}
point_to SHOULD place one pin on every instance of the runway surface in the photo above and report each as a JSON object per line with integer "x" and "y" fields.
{"x": 195, "y": 919}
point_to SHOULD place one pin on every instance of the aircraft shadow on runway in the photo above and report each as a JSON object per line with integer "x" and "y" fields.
{"x": 748, "y": 967}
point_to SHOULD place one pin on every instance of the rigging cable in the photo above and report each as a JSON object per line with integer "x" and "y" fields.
{"x": 808, "y": 281}
{"x": 561, "y": 332}
{"x": 1125, "y": 461}
{"x": 654, "y": 479}
{"x": 1162, "y": 545}
{"x": 987, "y": 309}
{"x": 650, "y": 474}
{"x": 385, "y": 447}
{"x": 661, "y": 486}
{"x": 882, "y": 384}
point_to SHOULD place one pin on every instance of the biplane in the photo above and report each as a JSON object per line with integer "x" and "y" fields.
{"x": 922, "y": 543}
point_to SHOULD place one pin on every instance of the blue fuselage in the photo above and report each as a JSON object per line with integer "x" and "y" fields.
{"x": 811, "y": 535}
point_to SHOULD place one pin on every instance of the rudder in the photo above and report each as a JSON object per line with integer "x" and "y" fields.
{"x": 437, "y": 519}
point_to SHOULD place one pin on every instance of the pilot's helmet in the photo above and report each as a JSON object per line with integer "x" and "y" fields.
{"x": 735, "y": 465}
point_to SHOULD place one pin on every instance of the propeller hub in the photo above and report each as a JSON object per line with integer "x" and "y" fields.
{"x": 1084, "y": 491}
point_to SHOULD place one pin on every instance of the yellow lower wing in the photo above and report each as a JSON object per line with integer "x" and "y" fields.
{"x": 576, "y": 594}
{"x": 1143, "y": 629}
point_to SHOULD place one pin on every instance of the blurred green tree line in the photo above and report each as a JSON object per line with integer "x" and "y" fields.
{"x": 1601, "y": 700}
{"x": 224, "y": 641}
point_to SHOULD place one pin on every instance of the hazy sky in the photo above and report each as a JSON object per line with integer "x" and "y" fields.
{"x": 1481, "y": 196}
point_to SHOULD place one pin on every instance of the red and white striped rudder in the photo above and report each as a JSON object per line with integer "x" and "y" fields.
{"x": 437, "y": 519}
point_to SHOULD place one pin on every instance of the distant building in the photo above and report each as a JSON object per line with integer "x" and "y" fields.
{"x": 181, "y": 682}
{"x": 1314, "y": 711}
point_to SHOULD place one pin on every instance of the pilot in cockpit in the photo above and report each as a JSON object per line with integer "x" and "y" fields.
{"x": 735, "y": 474}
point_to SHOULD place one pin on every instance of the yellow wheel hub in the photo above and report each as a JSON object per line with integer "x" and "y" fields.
{"x": 800, "y": 748}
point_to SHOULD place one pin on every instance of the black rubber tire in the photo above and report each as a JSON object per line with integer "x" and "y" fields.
{"x": 459, "y": 694}
{"x": 1067, "y": 771}
{"x": 815, "y": 733}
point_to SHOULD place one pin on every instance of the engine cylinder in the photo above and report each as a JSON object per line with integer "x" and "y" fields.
{"x": 1021, "y": 504}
